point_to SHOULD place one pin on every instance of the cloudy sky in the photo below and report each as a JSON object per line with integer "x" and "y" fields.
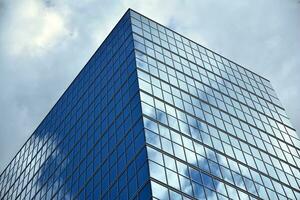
{"x": 44, "y": 44}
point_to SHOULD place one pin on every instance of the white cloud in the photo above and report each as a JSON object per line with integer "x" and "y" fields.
{"x": 33, "y": 28}
{"x": 44, "y": 44}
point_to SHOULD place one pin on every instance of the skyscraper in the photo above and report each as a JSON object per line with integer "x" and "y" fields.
{"x": 156, "y": 115}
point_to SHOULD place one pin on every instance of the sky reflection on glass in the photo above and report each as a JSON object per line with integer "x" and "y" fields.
{"x": 217, "y": 127}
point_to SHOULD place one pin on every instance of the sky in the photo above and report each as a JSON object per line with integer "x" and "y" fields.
{"x": 44, "y": 45}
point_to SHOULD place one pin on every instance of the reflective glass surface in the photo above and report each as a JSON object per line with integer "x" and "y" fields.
{"x": 153, "y": 115}
{"x": 91, "y": 145}
{"x": 214, "y": 130}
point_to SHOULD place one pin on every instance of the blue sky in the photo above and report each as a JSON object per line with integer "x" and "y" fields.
{"x": 44, "y": 44}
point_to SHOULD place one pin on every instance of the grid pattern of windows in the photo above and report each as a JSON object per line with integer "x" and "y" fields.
{"x": 91, "y": 144}
{"x": 213, "y": 129}
{"x": 155, "y": 115}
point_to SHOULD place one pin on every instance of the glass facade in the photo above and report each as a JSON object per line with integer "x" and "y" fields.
{"x": 214, "y": 130}
{"x": 91, "y": 144}
{"x": 153, "y": 115}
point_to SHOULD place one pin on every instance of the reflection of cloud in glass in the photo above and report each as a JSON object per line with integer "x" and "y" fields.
{"x": 198, "y": 178}
{"x": 48, "y": 164}
{"x": 172, "y": 179}
{"x": 198, "y": 191}
{"x": 240, "y": 177}
{"x": 47, "y": 155}
{"x": 159, "y": 191}
{"x": 157, "y": 172}
{"x": 186, "y": 185}
{"x": 161, "y": 116}
{"x": 155, "y": 155}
